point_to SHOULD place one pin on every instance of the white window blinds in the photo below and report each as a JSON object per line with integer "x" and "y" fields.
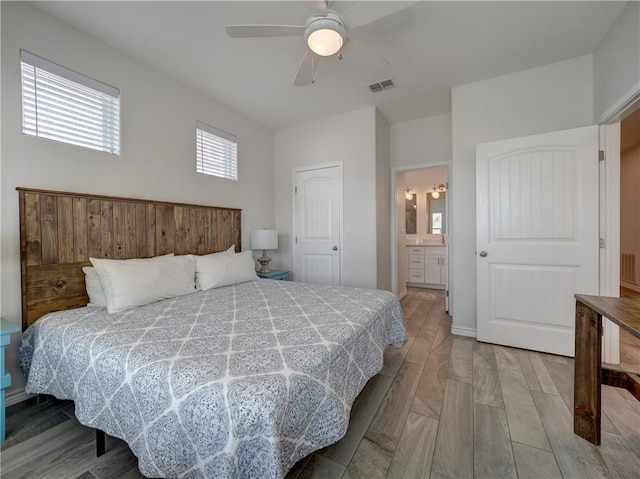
{"x": 216, "y": 152}
{"x": 63, "y": 105}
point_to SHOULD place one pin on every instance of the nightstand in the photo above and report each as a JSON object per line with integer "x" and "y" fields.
{"x": 7, "y": 328}
{"x": 274, "y": 274}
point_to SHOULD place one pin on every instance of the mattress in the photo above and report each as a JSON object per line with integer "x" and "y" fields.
{"x": 236, "y": 382}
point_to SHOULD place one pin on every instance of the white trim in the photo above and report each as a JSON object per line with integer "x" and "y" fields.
{"x": 625, "y": 105}
{"x": 462, "y": 331}
{"x": 610, "y": 231}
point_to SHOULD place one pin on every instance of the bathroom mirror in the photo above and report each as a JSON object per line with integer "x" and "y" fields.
{"x": 411, "y": 215}
{"x": 436, "y": 214}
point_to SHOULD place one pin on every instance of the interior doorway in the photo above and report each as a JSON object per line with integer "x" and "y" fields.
{"x": 630, "y": 230}
{"x": 610, "y": 213}
{"x": 630, "y": 202}
{"x": 420, "y": 219}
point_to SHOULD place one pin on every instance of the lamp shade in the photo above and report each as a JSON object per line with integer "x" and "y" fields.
{"x": 264, "y": 239}
{"x": 325, "y": 34}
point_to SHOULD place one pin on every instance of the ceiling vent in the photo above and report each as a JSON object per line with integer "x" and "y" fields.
{"x": 383, "y": 85}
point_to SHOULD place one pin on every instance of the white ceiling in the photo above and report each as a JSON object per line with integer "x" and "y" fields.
{"x": 431, "y": 46}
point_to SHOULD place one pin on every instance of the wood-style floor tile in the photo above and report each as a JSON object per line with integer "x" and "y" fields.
{"x": 453, "y": 455}
{"x": 397, "y": 402}
{"x": 486, "y": 381}
{"x": 524, "y": 421}
{"x": 493, "y": 452}
{"x": 576, "y": 457}
{"x": 373, "y": 457}
{"x": 533, "y": 463}
{"x": 427, "y": 400}
{"x": 414, "y": 454}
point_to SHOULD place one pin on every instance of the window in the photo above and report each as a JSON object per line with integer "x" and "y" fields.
{"x": 216, "y": 152}
{"x": 63, "y": 105}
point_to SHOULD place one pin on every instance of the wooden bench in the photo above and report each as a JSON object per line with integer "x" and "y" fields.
{"x": 589, "y": 373}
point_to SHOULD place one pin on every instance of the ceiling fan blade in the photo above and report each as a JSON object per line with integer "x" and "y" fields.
{"x": 318, "y": 7}
{"x": 366, "y": 12}
{"x": 306, "y": 70}
{"x": 364, "y": 57}
{"x": 258, "y": 31}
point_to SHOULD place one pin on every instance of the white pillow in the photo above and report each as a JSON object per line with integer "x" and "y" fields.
{"x": 230, "y": 250}
{"x": 93, "y": 286}
{"x": 216, "y": 270}
{"x": 130, "y": 283}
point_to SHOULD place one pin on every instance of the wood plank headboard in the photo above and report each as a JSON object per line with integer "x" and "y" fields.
{"x": 59, "y": 232}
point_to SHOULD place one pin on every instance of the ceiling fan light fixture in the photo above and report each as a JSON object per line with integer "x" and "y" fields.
{"x": 325, "y": 35}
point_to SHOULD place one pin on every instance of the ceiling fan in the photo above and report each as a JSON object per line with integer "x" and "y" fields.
{"x": 325, "y": 33}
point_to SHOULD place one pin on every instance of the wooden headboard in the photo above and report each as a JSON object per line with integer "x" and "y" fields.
{"x": 59, "y": 232}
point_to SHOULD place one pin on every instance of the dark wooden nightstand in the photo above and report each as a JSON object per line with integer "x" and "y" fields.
{"x": 274, "y": 274}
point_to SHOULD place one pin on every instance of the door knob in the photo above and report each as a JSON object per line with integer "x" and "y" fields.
{"x": 335, "y": 248}
{"x": 483, "y": 253}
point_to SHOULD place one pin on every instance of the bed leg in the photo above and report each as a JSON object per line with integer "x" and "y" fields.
{"x": 101, "y": 446}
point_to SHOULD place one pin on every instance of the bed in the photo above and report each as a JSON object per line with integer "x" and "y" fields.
{"x": 238, "y": 380}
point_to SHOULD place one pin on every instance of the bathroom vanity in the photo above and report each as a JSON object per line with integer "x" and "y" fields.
{"x": 427, "y": 265}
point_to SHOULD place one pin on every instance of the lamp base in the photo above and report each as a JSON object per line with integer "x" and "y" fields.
{"x": 264, "y": 261}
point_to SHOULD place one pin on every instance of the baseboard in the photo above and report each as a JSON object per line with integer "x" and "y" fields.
{"x": 461, "y": 331}
{"x": 15, "y": 397}
{"x": 403, "y": 294}
{"x": 633, "y": 287}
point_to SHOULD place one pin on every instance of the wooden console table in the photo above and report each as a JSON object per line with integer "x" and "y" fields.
{"x": 589, "y": 373}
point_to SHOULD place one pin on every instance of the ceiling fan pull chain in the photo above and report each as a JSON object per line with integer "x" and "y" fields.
{"x": 313, "y": 78}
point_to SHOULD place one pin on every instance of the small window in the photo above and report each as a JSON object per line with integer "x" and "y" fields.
{"x": 216, "y": 152}
{"x": 63, "y": 105}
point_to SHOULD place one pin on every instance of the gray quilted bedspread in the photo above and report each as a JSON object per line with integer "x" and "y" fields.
{"x": 235, "y": 382}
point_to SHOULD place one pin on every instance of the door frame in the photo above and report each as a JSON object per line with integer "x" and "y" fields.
{"x": 609, "y": 125}
{"x": 610, "y": 233}
{"x": 394, "y": 221}
{"x": 321, "y": 166}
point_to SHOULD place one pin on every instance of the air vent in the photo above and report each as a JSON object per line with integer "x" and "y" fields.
{"x": 628, "y": 271}
{"x": 383, "y": 85}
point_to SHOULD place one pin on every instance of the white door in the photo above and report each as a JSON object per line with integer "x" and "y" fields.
{"x": 317, "y": 225}
{"x": 537, "y": 237}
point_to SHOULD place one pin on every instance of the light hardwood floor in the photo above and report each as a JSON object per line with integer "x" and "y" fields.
{"x": 629, "y": 344}
{"x": 443, "y": 407}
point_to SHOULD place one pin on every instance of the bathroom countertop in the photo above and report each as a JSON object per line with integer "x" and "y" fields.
{"x": 426, "y": 244}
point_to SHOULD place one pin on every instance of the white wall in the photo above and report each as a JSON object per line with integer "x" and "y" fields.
{"x": 548, "y": 98}
{"x": 383, "y": 203}
{"x": 348, "y": 139}
{"x": 158, "y": 118}
{"x": 421, "y": 142}
{"x": 616, "y": 63}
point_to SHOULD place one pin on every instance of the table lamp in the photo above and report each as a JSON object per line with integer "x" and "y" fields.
{"x": 264, "y": 240}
